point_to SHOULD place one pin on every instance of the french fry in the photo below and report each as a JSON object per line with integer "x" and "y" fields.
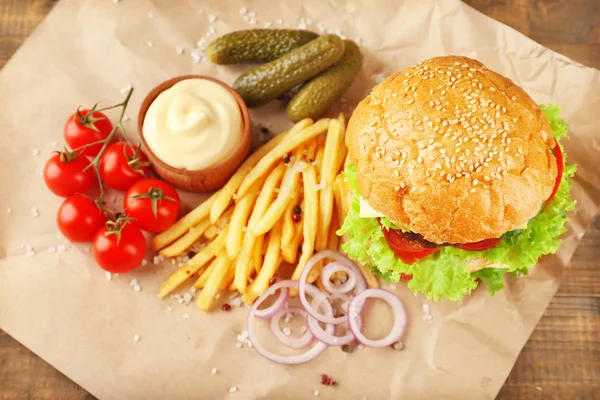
{"x": 271, "y": 262}
{"x": 218, "y": 226}
{"x": 319, "y": 160}
{"x": 343, "y": 150}
{"x": 333, "y": 240}
{"x": 180, "y": 227}
{"x": 192, "y": 266}
{"x": 184, "y": 242}
{"x": 201, "y": 281}
{"x": 289, "y": 186}
{"x": 341, "y": 197}
{"x": 288, "y": 223}
{"x": 239, "y": 219}
{"x": 227, "y": 282}
{"x": 289, "y": 251}
{"x": 242, "y": 264}
{"x": 328, "y": 174}
{"x": 215, "y": 280}
{"x": 226, "y": 193}
{"x": 311, "y": 151}
{"x": 257, "y": 252}
{"x": 310, "y": 215}
{"x": 291, "y": 142}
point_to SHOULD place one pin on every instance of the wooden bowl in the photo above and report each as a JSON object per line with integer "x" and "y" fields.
{"x": 204, "y": 180}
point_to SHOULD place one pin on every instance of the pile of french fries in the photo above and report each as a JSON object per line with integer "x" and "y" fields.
{"x": 250, "y": 224}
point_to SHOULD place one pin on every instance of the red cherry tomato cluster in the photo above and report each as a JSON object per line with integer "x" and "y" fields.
{"x": 92, "y": 160}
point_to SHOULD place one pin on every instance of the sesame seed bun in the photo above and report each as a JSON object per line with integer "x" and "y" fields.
{"x": 453, "y": 151}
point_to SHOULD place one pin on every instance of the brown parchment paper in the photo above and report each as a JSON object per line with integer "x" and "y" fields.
{"x": 59, "y": 304}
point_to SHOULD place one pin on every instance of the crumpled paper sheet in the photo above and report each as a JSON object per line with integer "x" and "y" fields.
{"x": 60, "y": 304}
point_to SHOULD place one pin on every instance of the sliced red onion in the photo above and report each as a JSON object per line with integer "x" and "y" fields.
{"x": 303, "y": 285}
{"x": 311, "y": 353}
{"x": 329, "y": 338}
{"x": 355, "y": 309}
{"x": 293, "y": 342}
{"x": 331, "y": 269}
{"x": 284, "y": 295}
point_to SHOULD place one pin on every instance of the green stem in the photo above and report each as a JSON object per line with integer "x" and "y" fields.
{"x": 119, "y": 125}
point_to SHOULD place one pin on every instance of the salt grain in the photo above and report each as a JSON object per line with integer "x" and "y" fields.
{"x": 149, "y": 44}
{"x": 192, "y": 290}
{"x": 243, "y": 10}
{"x": 287, "y": 331}
{"x": 186, "y": 316}
{"x": 144, "y": 262}
{"x": 187, "y": 297}
{"x": 316, "y": 393}
{"x": 213, "y": 371}
{"x": 238, "y": 345}
{"x": 52, "y": 249}
{"x": 136, "y": 338}
{"x": 108, "y": 275}
{"x": 212, "y": 18}
{"x": 179, "y": 50}
{"x": 133, "y": 282}
{"x": 137, "y": 288}
{"x": 233, "y": 389}
{"x": 36, "y": 152}
{"x": 169, "y": 308}
{"x": 34, "y": 212}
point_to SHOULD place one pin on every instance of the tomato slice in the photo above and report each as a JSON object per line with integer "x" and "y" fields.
{"x": 560, "y": 164}
{"x": 409, "y": 247}
{"x": 481, "y": 245}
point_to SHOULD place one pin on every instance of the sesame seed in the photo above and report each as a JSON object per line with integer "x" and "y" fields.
{"x": 486, "y": 178}
{"x": 472, "y": 190}
{"x": 420, "y": 160}
{"x": 410, "y": 101}
{"x": 397, "y": 188}
{"x": 513, "y": 98}
{"x": 475, "y": 182}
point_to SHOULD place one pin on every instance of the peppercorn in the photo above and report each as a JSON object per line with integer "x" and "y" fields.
{"x": 226, "y": 307}
{"x": 118, "y": 215}
{"x": 346, "y": 348}
{"x": 327, "y": 380}
{"x": 264, "y": 130}
{"x": 296, "y": 217}
{"x": 191, "y": 254}
{"x": 297, "y": 209}
{"x": 286, "y": 159}
{"x": 300, "y": 249}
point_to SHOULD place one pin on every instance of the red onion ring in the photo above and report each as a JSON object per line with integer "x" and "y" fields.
{"x": 303, "y": 285}
{"x": 329, "y": 338}
{"x": 331, "y": 269}
{"x": 355, "y": 309}
{"x": 293, "y": 342}
{"x": 311, "y": 353}
{"x": 270, "y": 311}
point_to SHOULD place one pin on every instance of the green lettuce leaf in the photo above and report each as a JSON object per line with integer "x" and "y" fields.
{"x": 446, "y": 274}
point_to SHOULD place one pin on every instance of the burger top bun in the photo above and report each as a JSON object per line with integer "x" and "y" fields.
{"x": 453, "y": 151}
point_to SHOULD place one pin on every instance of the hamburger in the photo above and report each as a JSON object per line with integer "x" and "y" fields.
{"x": 457, "y": 176}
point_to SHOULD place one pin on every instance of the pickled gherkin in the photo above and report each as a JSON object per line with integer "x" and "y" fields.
{"x": 256, "y": 45}
{"x": 317, "y": 95}
{"x": 264, "y": 83}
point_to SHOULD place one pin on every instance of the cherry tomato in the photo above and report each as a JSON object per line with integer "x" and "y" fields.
{"x": 152, "y": 204}
{"x": 64, "y": 174}
{"x": 83, "y": 128}
{"x": 121, "y": 165}
{"x": 409, "y": 247}
{"x": 79, "y": 218}
{"x": 478, "y": 246}
{"x": 119, "y": 247}
{"x": 560, "y": 164}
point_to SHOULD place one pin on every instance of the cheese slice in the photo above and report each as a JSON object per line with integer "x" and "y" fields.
{"x": 366, "y": 211}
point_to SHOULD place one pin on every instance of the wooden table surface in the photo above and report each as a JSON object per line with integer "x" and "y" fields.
{"x": 561, "y": 359}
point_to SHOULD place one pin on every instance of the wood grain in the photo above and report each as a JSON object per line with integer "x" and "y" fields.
{"x": 562, "y": 358}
